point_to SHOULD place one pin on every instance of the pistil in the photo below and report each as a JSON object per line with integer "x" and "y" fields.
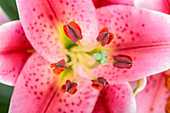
{"x": 86, "y": 56}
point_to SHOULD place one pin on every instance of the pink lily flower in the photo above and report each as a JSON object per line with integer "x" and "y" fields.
{"x": 157, "y": 5}
{"x": 38, "y": 84}
{"x": 14, "y": 48}
{"x": 155, "y": 98}
{"x": 162, "y": 93}
{"x": 101, "y": 3}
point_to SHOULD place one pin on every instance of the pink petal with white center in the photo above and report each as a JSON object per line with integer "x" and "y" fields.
{"x": 80, "y": 11}
{"x": 102, "y": 3}
{"x": 154, "y": 97}
{"x": 141, "y": 34}
{"x": 13, "y": 51}
{"x": 3, "y": 16}
{"x": 117, "y": 98}
{"x": 41, "y": 28}
{"x": 157, "y": 5}
{"x": 36, "y": 91}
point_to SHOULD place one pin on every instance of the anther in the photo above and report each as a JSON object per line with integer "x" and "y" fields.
{"x": 167, "y": 81}
{"x": 99, "y": 83}
{"x": 73, "y": 31}
{"x": 167, "y": 107}
{"x": 69, "y": 87}
{"x": 105, "y": 36}
{"x": 122, "y": 61}
{"x": 59, "y": 67}
{"x": 101, "y": 57}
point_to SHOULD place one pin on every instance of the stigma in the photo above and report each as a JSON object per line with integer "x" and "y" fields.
{"x": 89, "y": 57}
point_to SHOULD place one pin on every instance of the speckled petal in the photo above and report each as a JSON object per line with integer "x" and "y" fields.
{"x": 36, "y": 86}
{"x": 40, "y": 86}
{"x": 45, "y": 23}
{"x": 102, "y": 3}
{"x": 41, "y": 28}
{"x": 80, "y": 11}
{"x": 154, "y": 97}
{"x": 116, "y": 99}
{"x": 13, "y": 51}
{"x": 66, "y": 103}
{"x": 157, "y": 5}
{"x": 141, "y": 34}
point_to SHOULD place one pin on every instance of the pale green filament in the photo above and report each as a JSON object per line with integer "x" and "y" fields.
{"x": 83, "y": 61}
{"x": 86, "y": 49}
{"x": 84, "y": 56}
{"x": 75, "y": 67}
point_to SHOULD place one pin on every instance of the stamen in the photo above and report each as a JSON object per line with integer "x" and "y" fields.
{"x": 84, "y": 62}
{"x": 122, "y": 61}
{"x": 105, "y": 37}
{"x": 167, "y": 81}
{"x": 59, "y": 67}
{"x": 167, "y": 107}
{"x": 99, "y": 83}
{"x": 75, "y": 67}
{"x": 86, "y": 49}
{"x": 73, "y": 31}
{"x": 101, "y": 57}
{"x": 69, "y": 87}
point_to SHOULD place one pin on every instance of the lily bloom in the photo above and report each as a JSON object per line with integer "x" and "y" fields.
{"x": 157, "y": 5}
{"x": 145, "y": 42}
{"x": 156, "y": 95}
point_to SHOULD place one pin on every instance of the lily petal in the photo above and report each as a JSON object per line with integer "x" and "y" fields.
{"x": 82, "y": 12}
{"x": 3, "y": 16}
{"x": 102, "y": 3}
{"x": 146, "y": 41}
{"x": 117, "y": 98}
{"x": 40, "y": 86}
{"x": 155, "y": 93}
{"x": 13, "y": 51}
{"x": 157, "y": 5}
{"x": 43, "y": 27}
{"x": 66, "y": 103}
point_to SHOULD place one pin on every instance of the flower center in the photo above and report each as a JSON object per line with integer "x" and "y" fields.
{"x": 89, "y": 57}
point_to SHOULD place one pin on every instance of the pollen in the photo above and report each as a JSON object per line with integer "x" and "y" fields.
{"x": 167, "y": 81}
{"x": 167, "y": 107}
{"x": 73, "y": 31}
{"x": 88, "y": 56}
{"x": 69, "y": 87}
{"x": 99, "y": 83}
{"x": 59, "y": 67}
{"x": 105, "y": 36}
{"x": 122, "y": 61}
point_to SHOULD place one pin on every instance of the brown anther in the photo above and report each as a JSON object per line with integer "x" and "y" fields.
{"x": 69, "y": 87}
{"x": 105, "y": 36}
{"x": 59, "y": 67}
{"x": 99, "y": 83}
{"x": 167, "y": 81}
{"x": 122, "y": 61}
{"x": 73, "y": 31}
{"x": 167, "y": 107}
